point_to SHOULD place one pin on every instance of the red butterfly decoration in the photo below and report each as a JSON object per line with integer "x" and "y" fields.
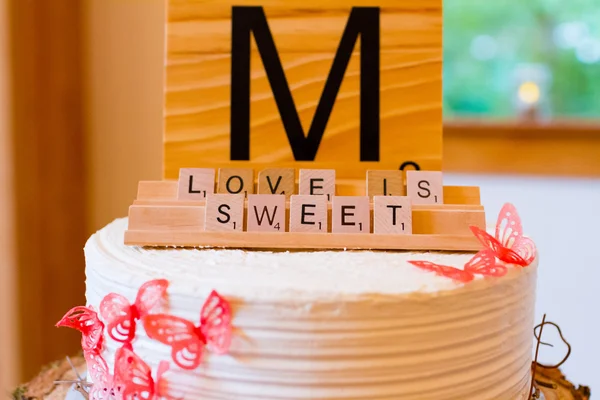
{"x": 86, "y": 321}
{"x": 105, "y": 386}
{"x": 186, "y": 339}
{"x": 121, "y": 316}
{"x": 509, "y": 244}
{"x": 484, "y": 263}
{"x": 137, "y": 376}
{"x": 444, "y": 270}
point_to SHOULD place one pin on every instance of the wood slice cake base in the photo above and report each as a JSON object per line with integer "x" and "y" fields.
{"x": 551, "y": 382}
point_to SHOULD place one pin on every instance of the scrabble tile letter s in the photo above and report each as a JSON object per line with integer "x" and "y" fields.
{"x": 425, "y": 187}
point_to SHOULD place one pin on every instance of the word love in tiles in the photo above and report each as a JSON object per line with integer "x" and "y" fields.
{"x": 423, "y": 187}
{"x": 308, "y": 213}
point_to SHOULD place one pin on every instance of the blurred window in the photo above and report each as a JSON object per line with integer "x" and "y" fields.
{"x": 504, "y": 57}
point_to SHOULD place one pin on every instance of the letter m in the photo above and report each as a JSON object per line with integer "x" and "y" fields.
{"x": 363, "y": 22}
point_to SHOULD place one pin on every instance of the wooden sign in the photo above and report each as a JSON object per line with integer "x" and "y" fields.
{"x": 330, "y": 84}
{"x": 352, "y": 220}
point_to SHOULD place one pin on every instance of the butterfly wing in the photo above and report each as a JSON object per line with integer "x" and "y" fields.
{"x": 444, "y": 270}
{"x": 150, "y": 295}
{"x": 484, "y": 263}
{"x": 508, "y": 227}
{"x": 86, "y": 321}
{"x": 102, "y": 381}
{"x": 215, "y": 323}
{"x": 180, "y": 334}
{"x": 116, "y": 312}
{"x": 525, "y": 248}
{"x": 135, "y": 374}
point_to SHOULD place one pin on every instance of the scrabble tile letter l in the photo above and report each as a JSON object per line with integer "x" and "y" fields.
{"x": 195, "y": 183}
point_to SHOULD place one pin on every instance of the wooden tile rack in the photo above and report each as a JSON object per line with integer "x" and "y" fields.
{"x": 158, "y": 218}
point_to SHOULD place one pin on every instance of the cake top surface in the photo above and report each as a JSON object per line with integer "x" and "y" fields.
{"x": 264, "y": 274}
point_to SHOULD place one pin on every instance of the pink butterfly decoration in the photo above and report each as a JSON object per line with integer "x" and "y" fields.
{"x": 86, "y": 321}
{"x": 187, "y": 341}
{"x": 104, "y": 386}
{"x": 121, "y": 316}
{"x": 509, "y": 244}
{"x": 484, "y": 263}
{"x": 137, "y": 375}
{"x": 444, "y": 270}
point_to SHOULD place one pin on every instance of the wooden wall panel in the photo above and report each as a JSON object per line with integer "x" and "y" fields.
{"x": 9, "y": 360}
{"x": 307, "y": 35}
{"x": 48, "y": 174}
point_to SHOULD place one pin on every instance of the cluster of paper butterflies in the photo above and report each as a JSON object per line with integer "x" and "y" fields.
{"x": 509, "y": 246}
{"x": 132, "y": 378}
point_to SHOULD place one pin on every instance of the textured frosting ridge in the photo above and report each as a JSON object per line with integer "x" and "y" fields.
{"x": 332, "y": 325}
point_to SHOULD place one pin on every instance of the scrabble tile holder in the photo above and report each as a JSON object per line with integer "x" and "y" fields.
{"x": 158, "y": 219}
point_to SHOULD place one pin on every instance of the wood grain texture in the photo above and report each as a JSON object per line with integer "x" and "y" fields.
{"x": 49, "y": 174}
{"x": 9, "y": 333}
{"x": 556, "y": 148}
{"x": 307, "y": 34}
{"x": 385, "y": 183}
{"x": 298, "y": 240}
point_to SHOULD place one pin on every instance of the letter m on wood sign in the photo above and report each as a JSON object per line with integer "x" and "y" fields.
{"x": 305, "y": 84}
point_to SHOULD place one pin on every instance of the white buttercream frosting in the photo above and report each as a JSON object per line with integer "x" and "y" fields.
{"x": 332, "y": 324}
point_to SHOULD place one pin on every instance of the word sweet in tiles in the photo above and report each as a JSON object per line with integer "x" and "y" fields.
{"x": 325, "y": 83}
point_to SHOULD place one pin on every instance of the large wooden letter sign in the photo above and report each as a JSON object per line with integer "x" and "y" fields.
{"x": 344, "y": 85}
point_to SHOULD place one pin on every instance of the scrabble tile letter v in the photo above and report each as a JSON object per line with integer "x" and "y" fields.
{"x": 330, "y": 84}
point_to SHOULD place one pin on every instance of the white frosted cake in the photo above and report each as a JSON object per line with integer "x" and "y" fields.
{"x": 330, "y": 324}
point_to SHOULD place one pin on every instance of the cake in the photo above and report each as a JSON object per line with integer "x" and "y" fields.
{"x": 330, "y": 324}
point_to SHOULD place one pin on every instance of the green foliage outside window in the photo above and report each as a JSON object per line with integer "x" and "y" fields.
{"x": 491, "y": 47}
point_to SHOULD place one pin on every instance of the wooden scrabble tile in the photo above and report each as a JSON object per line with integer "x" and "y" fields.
{"x": 266, "y": 213}
{"x": 224, "y": 212}
{"x": 350, "y": 214}
{"x": 195, "y": 183}
{"x": 425, "y": 187}
{"x": 385, "y": 183}
{"x": 236, "y": 180}
{"x": 392, "y": 215}
{"x": 277, "y": 181}
{"x": 308, "y": 213}
{"x": 317, "y": 182}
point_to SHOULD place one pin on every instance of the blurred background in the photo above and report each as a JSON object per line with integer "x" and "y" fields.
{"x": 80, "y": 125}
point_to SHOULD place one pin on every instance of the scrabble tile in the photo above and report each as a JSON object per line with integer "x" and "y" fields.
{"x": 350, "y": 214}
{"x": 266, "y": 213}
{"x": 236, "y": 180}
{"x": 224, "y": 212}
{"x": 392, "y": 215}
{"x": 317, "y": 182}
{"x": 425, "y": 187}
{"x": 308, "y": 213}
{"x": 277, "y": 181}
{"x": 195, "y": 183}
{"x": 385, "y": 183}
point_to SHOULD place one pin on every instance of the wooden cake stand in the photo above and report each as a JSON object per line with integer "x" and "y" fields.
{"x": 551, "y": 382}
